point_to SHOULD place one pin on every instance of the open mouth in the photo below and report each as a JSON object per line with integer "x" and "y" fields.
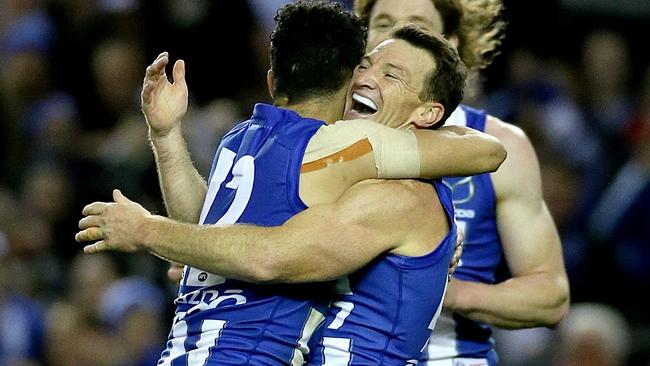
{"x": 363, "y": 105}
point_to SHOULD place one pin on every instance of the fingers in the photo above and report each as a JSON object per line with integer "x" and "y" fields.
{"x": 89, "y": 221}
{"x": 100, "y": 246}
{"x": 89, "y": 234}
{"x": 147, "y": 89}
{"x": 179, "y": 72}
{"x": 175, "y": 272}
{"x": 153, "y": 75}
{"x": 95, "y": 208}
{"x": 157, "y": 68}
{"x": 119, "y": 197}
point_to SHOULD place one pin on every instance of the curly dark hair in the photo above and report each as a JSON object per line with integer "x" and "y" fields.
{"x": 446, "y": 82}
{"x": 314, "y": 49}
{"x": 477, "y": 24}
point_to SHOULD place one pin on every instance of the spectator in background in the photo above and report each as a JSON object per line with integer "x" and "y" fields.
{"x": 21, "y": 320}
{"x": 606, "y": 60}
{"x": 608, "y": 107}
{"x": 619, "y": 221}
{"x": 132, "y": 309}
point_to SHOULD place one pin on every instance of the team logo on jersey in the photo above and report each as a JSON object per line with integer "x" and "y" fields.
{"x": 463, "y": 190}
{"x": 203, "y": 276}
{"x": 202, "y": 300}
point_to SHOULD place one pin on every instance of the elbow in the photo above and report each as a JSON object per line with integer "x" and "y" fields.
{"x": 495, "y": 157}
{"x": 264, "y": 273}
{"x": 270, "y": 270}
{"x": 560, "y": 303}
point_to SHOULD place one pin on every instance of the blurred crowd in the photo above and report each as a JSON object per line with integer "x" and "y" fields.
{"x": 71, "y": 130}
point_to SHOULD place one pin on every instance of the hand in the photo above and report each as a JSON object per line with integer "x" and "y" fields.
{"x": 114, "y": 225}
{"x": 458, "y": 251}
{"x": 163, "y": 103}
{"x": 175, "y": 272}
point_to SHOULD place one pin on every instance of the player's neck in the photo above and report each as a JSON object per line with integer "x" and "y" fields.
{"x": 318, "y": 111}
{"x": 328, "y": 108}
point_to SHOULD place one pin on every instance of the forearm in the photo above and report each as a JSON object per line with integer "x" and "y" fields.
{"x": 457, "y": 151}
{"x": 182, "y": 186}
{"x": 533, "y": 300}
{"x": 232, "y": 251}
{"x": 314, "y": 245}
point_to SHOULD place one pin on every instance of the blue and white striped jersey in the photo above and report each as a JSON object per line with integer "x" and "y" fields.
{"x": 475, "y": 207}
{"x": 254, "y": 180}
{"x": 384, "y": 313}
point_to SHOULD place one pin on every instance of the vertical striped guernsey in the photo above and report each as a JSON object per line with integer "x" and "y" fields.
{"x": 254, "y": 180}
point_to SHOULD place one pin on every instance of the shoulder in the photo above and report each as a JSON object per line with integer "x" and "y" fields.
{"x": 510, "y": 135}
{"x": 520, "y": 171}
{"x": 241, "y": 126}
{"x": 399, "y": 197}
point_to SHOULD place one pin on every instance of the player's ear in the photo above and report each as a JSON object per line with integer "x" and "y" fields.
{"x": 269, "y": 82}
{"x": 428, "y": 114}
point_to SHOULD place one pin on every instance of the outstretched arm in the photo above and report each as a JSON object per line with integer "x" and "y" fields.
{"x": 538, "y": 292}
{"x": 164, "y": 104}
{"x": 400, "y": 154}
{"x": 458, "y": 151}
{"x": 321, "y": 243}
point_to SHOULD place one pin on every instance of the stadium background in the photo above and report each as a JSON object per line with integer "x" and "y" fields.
{"x": 573, "y": 73}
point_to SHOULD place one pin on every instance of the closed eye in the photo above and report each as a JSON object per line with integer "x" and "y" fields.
{"x": 383, "y": 25}
{"x": 392, "y": 76}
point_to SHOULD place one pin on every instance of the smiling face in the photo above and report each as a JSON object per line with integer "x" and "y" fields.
{"x": 387, "y": 84}
{"x": 386, "y": 15}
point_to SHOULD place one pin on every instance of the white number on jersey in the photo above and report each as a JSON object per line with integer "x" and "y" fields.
{"x": 243, "y": 174}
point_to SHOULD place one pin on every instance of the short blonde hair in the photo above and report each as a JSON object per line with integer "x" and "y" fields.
{"x": 476, "y": 23}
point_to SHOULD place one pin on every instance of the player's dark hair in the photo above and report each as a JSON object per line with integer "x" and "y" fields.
{"x": 445, "y": 84}
{"x": 314, "y": 49}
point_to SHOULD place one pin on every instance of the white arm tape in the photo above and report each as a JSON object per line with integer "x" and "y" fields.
{"x": 395, "y": 151}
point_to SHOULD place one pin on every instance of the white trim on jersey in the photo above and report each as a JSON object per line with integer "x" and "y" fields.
{"x": 313, "y": 321}
{"x": 176, "y": 345}
{"x": 200, "y": 278}
{"x": 457, "y": 118}
{"x": 458, "y": 362}
{"x": 224, "y": 163}
{"x": 442, "y": 342}
{"x": 336, "y": 351}
{"x": 210, "y": 332}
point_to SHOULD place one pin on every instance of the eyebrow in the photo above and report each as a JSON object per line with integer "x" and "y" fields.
{"x": 420, "y": 19}
{"x": 366, "y": 58}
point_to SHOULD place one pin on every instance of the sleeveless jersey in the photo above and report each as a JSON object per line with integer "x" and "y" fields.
{"x": 384, "y": 313}
{"x": 254, "y": 180}
{"x": 475, "y": 209}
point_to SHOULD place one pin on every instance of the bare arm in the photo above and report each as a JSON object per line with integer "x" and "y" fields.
{"x": 321, "y": 243}
{"x": 348, "y": 152}
{"x": 164, "y": 104}
{"x": 458, "y": 151}
{"x": 538, "y": 292}
{"x": 406, "y": 154}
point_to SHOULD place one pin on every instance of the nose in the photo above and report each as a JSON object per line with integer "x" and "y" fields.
{"x": 365, "y": 79}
